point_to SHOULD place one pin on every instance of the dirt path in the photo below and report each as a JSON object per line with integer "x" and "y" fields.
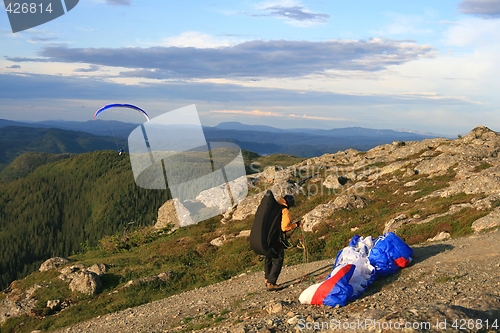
{"x": 456, "y": 280}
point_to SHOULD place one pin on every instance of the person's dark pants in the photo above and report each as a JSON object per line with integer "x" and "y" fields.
{"x": 272, "y": 266}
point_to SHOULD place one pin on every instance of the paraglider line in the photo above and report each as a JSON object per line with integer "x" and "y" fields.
{"x": 305, "y": 254}
{"x": 228, "y": 188}
{"x": 165, "y": 176}
{"x": 147, "y": 145}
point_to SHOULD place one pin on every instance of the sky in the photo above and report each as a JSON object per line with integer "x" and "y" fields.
{"x": 423, "y": 66}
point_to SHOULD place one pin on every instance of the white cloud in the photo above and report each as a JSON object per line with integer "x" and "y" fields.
{"x": 259, "y": 113}
{"x": 472, "y": 31}
{"x": 404, "y": 25}
{"x": 198, "y": 40}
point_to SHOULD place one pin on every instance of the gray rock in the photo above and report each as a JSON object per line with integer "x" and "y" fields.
{"x": 489, "y": 221}
{"x": 172, "y": 214}
{"x": 68, "y": 272}
{"x": 16, "y": 305}
{"x": 274, "y": 307}
{"x": 54, "y": 304}
{"x": 219, "y": 241}
{"x": 322, "y": 213}
{"x": 53, "y": 263}
{"x": 220, "y": 198}
{"x": 391, "y": 168}
{"x": 335, "y": 182}
{"x": 99, "y": 269}
{"x": 348, "y": 201}
{"x": 486, "y": 182}
{"x": 396, "y": 223}
{"x": 437, "y": 164}
{"x": 274, "y": 174}
{"x": 440, "y": 237}
{"x": 86, "y": 282}
{"x": 244, "y": 233}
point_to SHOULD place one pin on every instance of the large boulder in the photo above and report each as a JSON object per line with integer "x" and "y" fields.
{"x": 481, "y": 135}
{"x": 99, "y": 269}
{"x": 86, "y": 282}
{"x": 439, "y": 164}
{"x": 219, "y": 197}
{"x": 491, "y": 220}
{"x": 348, "y": 201}
{"x": 172, "y": 214}
{"x": 486, "y": 182}
{"x": 67, "y": 273}
{"x": 53, "y": 263}
{"x": 18, "y": 303}
{"x": 335, "y": 182}
{"x": 396, "y": 223}
{"x": 276, "y": 173}
{"x": 322, "y": 213}
{"x": 388, "y": 169}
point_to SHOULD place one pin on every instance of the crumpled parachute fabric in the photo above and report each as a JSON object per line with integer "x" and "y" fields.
{"x": 356, "y": 267}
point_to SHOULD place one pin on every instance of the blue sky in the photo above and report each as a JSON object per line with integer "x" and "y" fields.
{"x": 426, "y": 66}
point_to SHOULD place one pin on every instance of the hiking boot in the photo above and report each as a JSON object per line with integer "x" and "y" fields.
{"x": 273, "y": 287}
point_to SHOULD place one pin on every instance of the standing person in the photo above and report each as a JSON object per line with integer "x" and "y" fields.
{"x": 273, "y": 265}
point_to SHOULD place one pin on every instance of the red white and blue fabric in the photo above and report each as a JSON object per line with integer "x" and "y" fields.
{"x": 389, "y": 254}
{"x": 356, "y": 267}
{"x": 334, "y": 290}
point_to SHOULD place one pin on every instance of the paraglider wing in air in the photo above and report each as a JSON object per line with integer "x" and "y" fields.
{"x": 117, "y": 105}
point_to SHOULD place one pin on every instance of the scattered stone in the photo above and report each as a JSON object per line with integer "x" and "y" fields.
{"x": 244, "y": 233}
{"x": 53, "y": 263}
{"x": 349, "y": 202}
{"x": 412, "y": 183}
{"x": 440, "y": 237}
{"x": 322, "y": 213}
{"x": 173, "y": 215}
{"x": 99, "y": 269}
{"x": 68, "y": 272}
{"x": 18, "y": 303}
{"x": 398, "y": 143}
{"x": 489, "y": 221}
{"x": 219, "y": 241}
{"x": 294, "y": 320}
{"x": 396, "y": 223}
{"x": 335, "y": 182}
{"x": 220, "y": 198}
{"x": 275, "y": 307}
{"x": 86, "y": 282}
{"x": 54, "y": 304}
{"x": 164, "y": 277}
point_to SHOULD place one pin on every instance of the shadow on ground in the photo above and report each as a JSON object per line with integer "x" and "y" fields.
{"x": 314, "y": 276}
{"x": 423, "y": 253}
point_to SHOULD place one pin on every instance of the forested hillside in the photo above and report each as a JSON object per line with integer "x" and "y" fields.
{"x": 63, "y": 206}
{"x": 15, "y": 141}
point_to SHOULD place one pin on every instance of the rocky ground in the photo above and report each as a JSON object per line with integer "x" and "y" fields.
{"x": 452, "y": 285}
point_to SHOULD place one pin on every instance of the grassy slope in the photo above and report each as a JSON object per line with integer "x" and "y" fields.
{"x": 192, "y": 262}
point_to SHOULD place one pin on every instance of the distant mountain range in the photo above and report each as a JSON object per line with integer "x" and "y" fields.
{"x": 17, "y": 140}
{"x": 264, "y": 140}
